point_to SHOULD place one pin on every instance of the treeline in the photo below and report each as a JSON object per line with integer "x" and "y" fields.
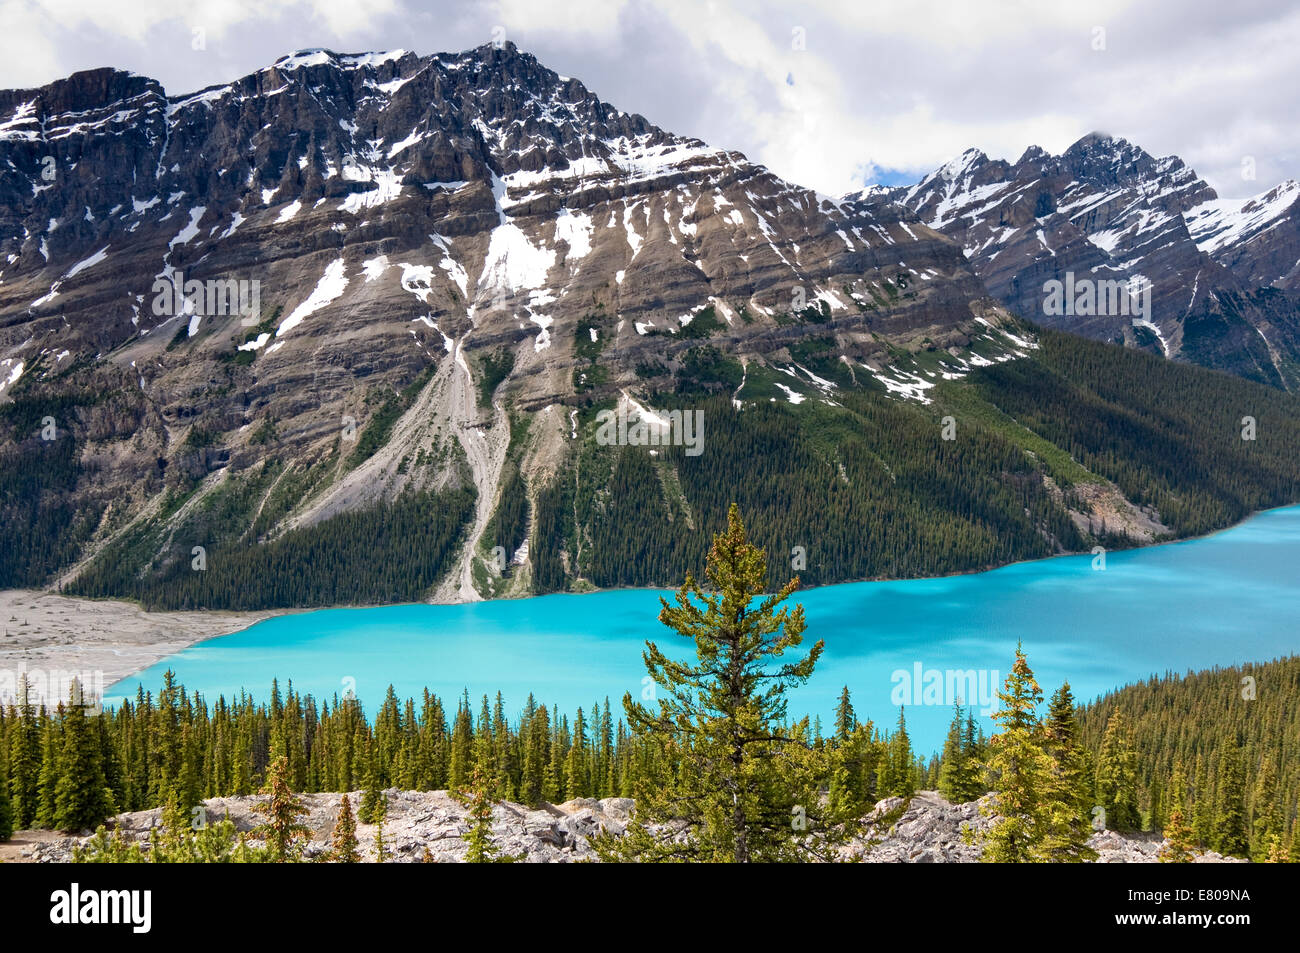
{"x": 1117, "y": 763}
{"x": 69, "y": 770}
{"x": 1222, "y": 747}
{"x": 390, "y": 553}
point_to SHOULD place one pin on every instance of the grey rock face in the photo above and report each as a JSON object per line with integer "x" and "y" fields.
{"x": 1222, "y": 273}
{"x": 929, "y": 831}
{"x": 242, "y": 269}
{"x": 932, "y": 830}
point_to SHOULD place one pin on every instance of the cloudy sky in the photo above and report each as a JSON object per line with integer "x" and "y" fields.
{"x": 831, "y": 95}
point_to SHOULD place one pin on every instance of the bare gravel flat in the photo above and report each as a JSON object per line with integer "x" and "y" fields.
{"x": 42, "y": 632}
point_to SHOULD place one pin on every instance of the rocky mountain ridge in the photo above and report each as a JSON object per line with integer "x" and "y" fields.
{"x": 928, "y": 830}
{"x": 256, "y": 271}
{"x": 1223, "y": 274}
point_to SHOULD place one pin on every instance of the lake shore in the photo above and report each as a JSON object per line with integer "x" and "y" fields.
{"x": 101, "y": 640}
{"x": 110, "y": 640}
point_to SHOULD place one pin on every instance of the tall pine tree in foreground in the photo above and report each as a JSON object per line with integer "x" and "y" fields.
{"x": 1020, "y": 771}
{"x": 738, "y": 783}
{"x": 1066, "y": 794}
{"x": 845, "y": 717}
{"x": 898, "y": 773}
{"x": 81, "y": 795}
{"x": 24, "y": 758}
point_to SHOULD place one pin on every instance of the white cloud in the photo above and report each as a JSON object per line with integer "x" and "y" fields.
{"x": 593, "y": 18}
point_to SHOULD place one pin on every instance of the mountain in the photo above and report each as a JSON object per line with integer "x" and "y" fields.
{"x": 346, "y": 330}
{"x": 1222, "y": 273}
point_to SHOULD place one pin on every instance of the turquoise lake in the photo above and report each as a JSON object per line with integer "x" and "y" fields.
{"x": 1227, "y": 598}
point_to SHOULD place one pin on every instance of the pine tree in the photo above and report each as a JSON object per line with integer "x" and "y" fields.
{"x": 49, "y": 773}
{"x": 969, "y": 782}
{"x": 81, "y": 795}
{"x": 344, "y": 838}
{"x": 953, "y": 760}
{"x": 1021, "y": 770}
{"x": 845, "y": 718}
{"x": 746, "y": 788}
{"x": 902, "y": 767}
{"x": 575, "y": 769}
{"x": 462, "y": 744}
{"x": 537, "y": 756}
{"x": 1117, "y": 782}
{"x": 1066, "y": 794}
{"x": 25, "y": 759}
{"x": 283, "y": 830}
{"x": 165, "y": 741}
{"x": 1177, "y": 848}
{"x": 1232, "y": 833}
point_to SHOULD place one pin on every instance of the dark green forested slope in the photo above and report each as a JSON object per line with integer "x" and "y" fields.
{"x": 390, "y": 553}
{"x": 864, "y": 487}
{"x": 871, "y": 489}
{"x": 43, "y": 528}
{"x": 1168, "y": 434}
{"x": 1235, "y": 734}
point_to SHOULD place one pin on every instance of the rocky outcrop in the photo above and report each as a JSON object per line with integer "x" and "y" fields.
{"x": 929, "y": 830}
{"x": 417, "y": 821}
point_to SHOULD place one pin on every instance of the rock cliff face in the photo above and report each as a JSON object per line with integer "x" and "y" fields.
{"x": 1222, "y": 273}
{"x": 928, "y": 831}
{"x": 250, "y": 272}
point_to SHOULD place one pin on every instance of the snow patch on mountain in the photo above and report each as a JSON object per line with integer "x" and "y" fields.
{"x": 328, "y": 289}
{"x": 514, "y": 263}
{"x": 574, "y": 228}
{"x": 90, "y": 262}
{"x": 1219, "y": 223}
